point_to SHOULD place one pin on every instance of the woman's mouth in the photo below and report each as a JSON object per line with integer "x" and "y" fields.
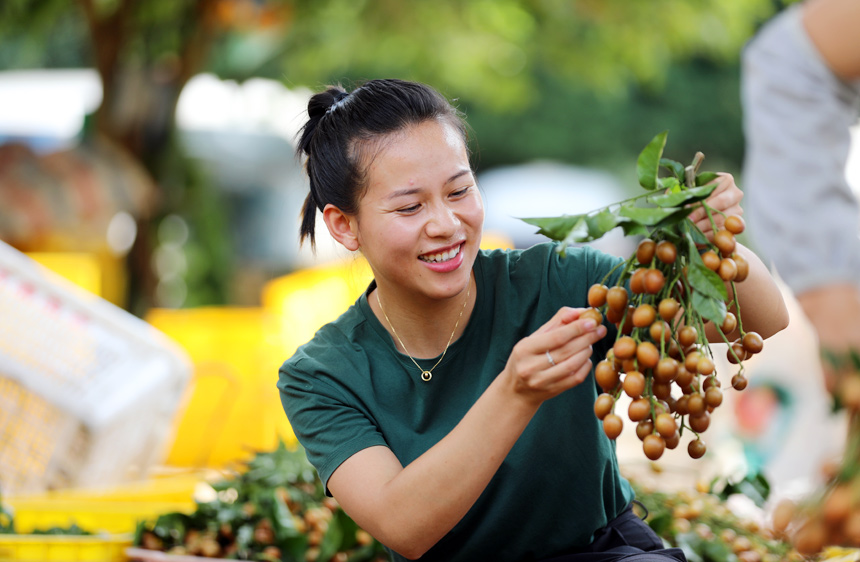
{"x": 441, "y": 257}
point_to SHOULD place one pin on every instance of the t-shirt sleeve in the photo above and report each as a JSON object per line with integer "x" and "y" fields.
{"x": 576, "y": 271}
{"x": 327, "y": 422}
{"x": 581, "y": 267}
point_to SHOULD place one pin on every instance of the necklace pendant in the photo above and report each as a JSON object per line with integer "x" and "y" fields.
{"x": 426, "y": 376}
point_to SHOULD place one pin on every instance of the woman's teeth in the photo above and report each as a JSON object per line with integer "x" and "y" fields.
{"x": 444, "y": 256}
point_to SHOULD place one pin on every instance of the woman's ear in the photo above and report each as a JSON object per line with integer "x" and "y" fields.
{"x": 342, "y": 227}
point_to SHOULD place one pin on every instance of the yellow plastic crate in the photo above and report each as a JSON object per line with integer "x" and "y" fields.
{"x": 233, "y": 408}
{"x": 100, "y": 516}
{"x": 114, "y": 510}
{"x": 37, "y": 548}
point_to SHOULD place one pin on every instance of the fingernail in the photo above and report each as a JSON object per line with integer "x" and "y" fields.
{"x": 588, "y": 324}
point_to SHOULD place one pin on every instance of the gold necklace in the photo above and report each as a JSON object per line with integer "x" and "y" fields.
{"x": 425, "y": 375}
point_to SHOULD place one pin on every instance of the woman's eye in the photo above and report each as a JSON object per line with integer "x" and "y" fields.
{"x": 411, "y": 209}
{"x": 461, "y": 192}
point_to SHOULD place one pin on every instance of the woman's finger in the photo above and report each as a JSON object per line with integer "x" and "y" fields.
{"x": 565, "y": 315}
{"x": 574, "y": 351}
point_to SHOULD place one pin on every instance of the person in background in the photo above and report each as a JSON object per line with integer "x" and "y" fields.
{"x": 801, "y": 94}
{"x": 450, "y": 410}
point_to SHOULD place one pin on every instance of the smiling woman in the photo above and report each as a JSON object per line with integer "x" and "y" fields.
{"x": 456, "y": 422}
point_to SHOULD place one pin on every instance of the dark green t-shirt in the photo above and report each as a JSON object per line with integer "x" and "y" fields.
{"x": 349, "y": 389}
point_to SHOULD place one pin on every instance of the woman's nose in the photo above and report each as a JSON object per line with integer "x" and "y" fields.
{"x": 443, "y": 221}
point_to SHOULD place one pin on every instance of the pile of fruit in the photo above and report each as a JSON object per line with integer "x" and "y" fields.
{"x": 275, "y": 509}
{"x": 676, "y": 283}
{"x": 700, "y": 523}
{"x": 831, "y": 516}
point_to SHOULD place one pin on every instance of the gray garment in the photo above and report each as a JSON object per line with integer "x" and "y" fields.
{"x": 801, "y": 212}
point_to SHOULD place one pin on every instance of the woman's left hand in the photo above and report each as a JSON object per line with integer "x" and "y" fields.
{"x": 726, "y": 198}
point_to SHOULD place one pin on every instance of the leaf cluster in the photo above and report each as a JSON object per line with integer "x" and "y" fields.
{"x": 264, "y": 506}
{"x": 664, "y": 207}
{"x": 704, "y": 539}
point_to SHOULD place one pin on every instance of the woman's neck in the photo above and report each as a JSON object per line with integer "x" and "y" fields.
{"x": 424, "y": 330}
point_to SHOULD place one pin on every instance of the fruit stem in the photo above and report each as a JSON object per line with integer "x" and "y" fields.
{"x": 737, "y": 308}
{"x": 690, "y": 171}
{"x": 627, "y": 263}
{"x": 710, "y": 217}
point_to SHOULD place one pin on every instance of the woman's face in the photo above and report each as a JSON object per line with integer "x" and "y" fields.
{"x": 419, "y": 222}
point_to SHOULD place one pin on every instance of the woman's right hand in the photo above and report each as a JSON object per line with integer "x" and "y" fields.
{"x": 554, "y": 358}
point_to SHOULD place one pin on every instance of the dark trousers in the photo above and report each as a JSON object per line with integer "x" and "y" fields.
{"x": 625, "y": 539}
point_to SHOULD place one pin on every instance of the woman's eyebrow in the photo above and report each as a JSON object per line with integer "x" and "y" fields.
{"x": 404, "y": 192}
{"x": 459, "y": 174}
{"x": 414, "y": 190}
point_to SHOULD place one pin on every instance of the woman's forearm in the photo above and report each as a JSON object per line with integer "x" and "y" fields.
{"x": 413, "y": 507}
{"x": 762, "y": 307}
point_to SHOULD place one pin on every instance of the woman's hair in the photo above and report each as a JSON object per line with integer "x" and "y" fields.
{"x": 342, "y": 128}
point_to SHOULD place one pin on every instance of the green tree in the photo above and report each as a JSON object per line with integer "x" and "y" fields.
{"x": 496, "y": 55}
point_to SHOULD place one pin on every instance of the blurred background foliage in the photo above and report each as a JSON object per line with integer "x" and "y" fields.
{"x": 586, "y": 82}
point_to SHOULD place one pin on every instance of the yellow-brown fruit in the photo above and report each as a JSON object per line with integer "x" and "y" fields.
{"x": 687, "y": 336}
{"x": 647, "y": 355}
{"x": 735, "y": 224}
{"x": 639, "y": 409}
{"x": 634, "y": 384}
{"x": 597, "y": 295}
{"x": 711, "y": 260}
{"x": 603, "y": 405}
{"x": 666, "y": 252}
{"x": 729, "y": 324}
{"x": 653, "y": 446}
{"x": 593, "y": 314}
{"x": 783, "y": 514}
{"x": 668, "y": 308}
{"x": 606, "y": 375}
{"x": 725, "y": 241}
{"x": 624, "y": 348}
{"x": 837, "y": 505}
{"x": 810, "y": 538}
{"x": 666, "y": 370}
{"x": 743, "y": 267}
{"x": 612, "y": 426}
{"x": 644, "y": 315}
{"x": 699, "y": 423}
{"x": 616, "y": 298}
{"x": 728, "y": 270}
{"x": 645, "y": 251}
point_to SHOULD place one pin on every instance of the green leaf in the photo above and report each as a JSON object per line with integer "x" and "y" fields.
{"x": 339, "y": 528}
{"x": 633, "y": 228}
{"x": 555, "y": 228}
{"x": 578, "y": 232}
{"x": 670, "y": 184}
{"x": 600, "y": 223}
{"x": 683, "y": 197}
{"x": 676, "y": 168}
{"x": 705, "y": 178}
{"x": 675, "y": 218}
{"x": 702, "y": 279}
{"x": 709, "y": 307}
{"x": 753, "y": 485}
{"x": 648, "y": 216}
{"x": 714, "y": 551}
{"x": 699, "y": 237}
{"x": 648, "y": 163}
{"x": 855, "y": 359}
{"x": 661, "y": 523}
